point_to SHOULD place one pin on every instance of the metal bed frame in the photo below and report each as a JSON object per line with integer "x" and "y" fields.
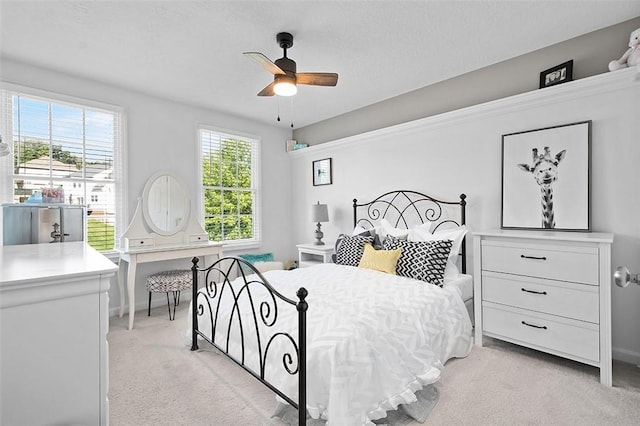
{"x": 401, "y": 208}
{"x": 218, "y": 279}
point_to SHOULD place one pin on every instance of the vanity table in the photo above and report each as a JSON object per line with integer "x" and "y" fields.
{"x": 163, "y": 228}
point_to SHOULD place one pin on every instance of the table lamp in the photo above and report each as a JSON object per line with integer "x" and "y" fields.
{"x": 319, "y": 213}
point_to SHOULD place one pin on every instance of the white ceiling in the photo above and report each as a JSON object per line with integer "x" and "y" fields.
{"x": 191, "y": 51}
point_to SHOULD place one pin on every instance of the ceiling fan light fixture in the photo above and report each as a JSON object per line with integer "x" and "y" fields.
{"x": 286, "y": 78}
{"x": 285, "y": 85}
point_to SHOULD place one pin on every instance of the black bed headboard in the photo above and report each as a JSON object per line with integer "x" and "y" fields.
{"x": 404, "y": 208}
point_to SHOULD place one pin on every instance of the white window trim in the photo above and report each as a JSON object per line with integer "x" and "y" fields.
{"x": 230, "y": 244}
{"x": 6, "y": 128}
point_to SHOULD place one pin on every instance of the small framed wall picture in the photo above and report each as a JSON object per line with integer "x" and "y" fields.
{"x": 322, "y": 174}
{"x": 556, "y": 75}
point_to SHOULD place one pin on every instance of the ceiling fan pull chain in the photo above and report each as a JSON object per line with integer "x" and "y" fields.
{"x": 291, "y": 111}
{"x": 278, "y": 109}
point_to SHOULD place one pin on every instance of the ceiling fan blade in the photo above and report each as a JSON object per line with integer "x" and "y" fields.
{"x": 264, "y": 62}
{"x": 268, "y": 91}
{"x": 317, "y": 78}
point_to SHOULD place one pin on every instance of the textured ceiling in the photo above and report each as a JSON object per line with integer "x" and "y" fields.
{"x": 191, "y": 51}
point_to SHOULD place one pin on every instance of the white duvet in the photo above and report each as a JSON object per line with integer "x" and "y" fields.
{"x": 373, "y": 339}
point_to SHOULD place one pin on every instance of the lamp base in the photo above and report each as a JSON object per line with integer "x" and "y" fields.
{"x": 318, "y": 234}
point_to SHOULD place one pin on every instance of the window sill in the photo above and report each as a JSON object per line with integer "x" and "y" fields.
{"x": 233, "y": 247}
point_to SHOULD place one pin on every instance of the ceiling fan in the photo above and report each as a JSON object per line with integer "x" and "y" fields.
{"x": 284, "y": 70}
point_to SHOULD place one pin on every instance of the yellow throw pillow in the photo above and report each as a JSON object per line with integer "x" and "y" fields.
{"x": 380, "y": 260}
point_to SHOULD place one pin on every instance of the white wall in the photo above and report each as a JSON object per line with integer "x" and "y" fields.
{"x": 162, "y": 134}
{"x": 460, "y": 151}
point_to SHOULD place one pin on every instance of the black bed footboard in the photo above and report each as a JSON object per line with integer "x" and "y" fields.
{"x": 250, "y": 304}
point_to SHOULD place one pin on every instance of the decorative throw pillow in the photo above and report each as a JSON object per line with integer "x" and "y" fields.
{"x": 368, "y": 231}
{"x": 351, "y": 248}
{"x": 253, "y": 259}
{"x": 380, "y": 260}
{"x": 456, "y": 235}
{"x": 423, "y": 261}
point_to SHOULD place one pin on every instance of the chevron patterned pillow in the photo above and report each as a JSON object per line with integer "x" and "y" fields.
{"x": 421, "y": 260}
{"x": 351, "y": 248}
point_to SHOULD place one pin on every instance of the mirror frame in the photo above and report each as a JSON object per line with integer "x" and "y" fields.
{"x": 145, "y": 204}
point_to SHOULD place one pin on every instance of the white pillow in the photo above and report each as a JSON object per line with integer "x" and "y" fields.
{"x": 416, "y": 232}
{"x": 268, "y": 266}
{"x": 456, "y": 235}
{"x": 386, "y": 228}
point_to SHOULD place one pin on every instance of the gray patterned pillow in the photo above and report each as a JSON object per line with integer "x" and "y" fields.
{"x": 421, "y": 260}
{"x": 351, "y": 248}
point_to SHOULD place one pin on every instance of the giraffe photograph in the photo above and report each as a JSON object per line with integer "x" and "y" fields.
{"x": 545, "y": 178}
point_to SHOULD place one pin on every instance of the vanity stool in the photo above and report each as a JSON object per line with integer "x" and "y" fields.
{"x": 169, "y": 281}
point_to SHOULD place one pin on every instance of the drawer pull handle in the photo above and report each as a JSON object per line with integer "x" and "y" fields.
{"x": 533, "y": 257}
{"x": 534, "y": 292}
{"x": 534, "y": 326}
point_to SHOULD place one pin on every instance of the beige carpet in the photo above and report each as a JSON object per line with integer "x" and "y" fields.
{"x": 155, "y": 380}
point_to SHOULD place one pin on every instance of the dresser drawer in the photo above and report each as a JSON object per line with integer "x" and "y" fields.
{"x": 196, "y": 238}
{"x": 542, "y": 331}
{"x": 570, "y": 300}
{"x": 565, "y": 263}
{"x": 138, "y": 242}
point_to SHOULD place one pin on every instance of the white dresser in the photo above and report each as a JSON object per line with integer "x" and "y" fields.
{"x": 549, "y": 291}
{"x": 54, "y": 321}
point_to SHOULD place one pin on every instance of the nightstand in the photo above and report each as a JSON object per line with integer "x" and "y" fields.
{"x": 311, "y": 254}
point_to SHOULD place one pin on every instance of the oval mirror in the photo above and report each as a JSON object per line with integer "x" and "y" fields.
{"x": 165, "y": 204}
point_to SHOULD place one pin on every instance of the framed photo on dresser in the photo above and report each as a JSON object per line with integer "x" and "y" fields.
{"x": 546, "y": 179}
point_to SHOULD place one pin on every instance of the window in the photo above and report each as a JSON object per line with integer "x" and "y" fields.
{"x": 230, "y": 187}
{"x": 70, "y": 148}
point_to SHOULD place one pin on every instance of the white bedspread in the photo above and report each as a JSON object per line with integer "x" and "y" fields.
{"x": 373, "y": 339}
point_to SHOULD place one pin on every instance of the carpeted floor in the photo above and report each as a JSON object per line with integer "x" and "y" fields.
{"x": 156, "y": 380}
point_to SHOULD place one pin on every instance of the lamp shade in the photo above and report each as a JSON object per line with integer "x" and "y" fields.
{"x": 319, "y": 213}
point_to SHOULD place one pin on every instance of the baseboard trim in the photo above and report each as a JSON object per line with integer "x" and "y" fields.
{"x": 626, "y": 355}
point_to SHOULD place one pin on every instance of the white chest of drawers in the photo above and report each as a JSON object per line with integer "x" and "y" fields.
{"x": 54, "y": 320}
{"x": 549, "y": 291}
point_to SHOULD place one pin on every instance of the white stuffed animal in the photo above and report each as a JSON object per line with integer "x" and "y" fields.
{"x": 632, "y": 56}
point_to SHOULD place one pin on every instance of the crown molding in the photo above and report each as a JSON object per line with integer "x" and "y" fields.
{"x": 585, "y": 87}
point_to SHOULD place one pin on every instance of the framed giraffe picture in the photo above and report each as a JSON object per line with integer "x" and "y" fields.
{"x": 546, "y": 179}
